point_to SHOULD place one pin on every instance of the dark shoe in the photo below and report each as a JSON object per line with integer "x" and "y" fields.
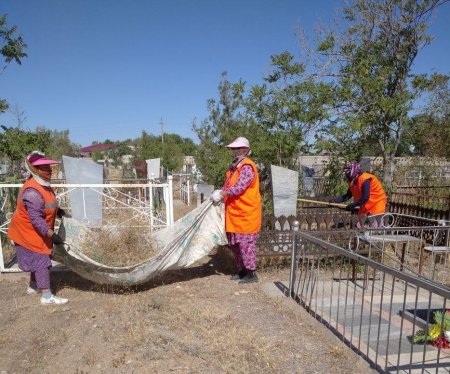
{"x": 239, "y": 275}
{"x": 251, "y": 277}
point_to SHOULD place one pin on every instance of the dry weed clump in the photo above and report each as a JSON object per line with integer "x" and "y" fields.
{"x": 119, "y": 246}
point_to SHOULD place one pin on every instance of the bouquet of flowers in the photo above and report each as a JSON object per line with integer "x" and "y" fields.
{"x": 438, "y": 333}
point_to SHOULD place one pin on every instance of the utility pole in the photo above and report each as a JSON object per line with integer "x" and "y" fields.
{"x": 161, "y": 123}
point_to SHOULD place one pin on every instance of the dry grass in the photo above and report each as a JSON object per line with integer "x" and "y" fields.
{"x": 118, "y": 246}
{"x": 180, "y": 209}
{"x": 271, "y": 263}
{"x": 188, "y": 321}
{"x": 192, "y": 320}
{"x": 122, "y": 246}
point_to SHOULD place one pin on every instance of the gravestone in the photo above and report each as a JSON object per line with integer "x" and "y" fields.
{"x": 366, "y": 164}
{"x": 85, "y": 203}
{"x": 284, "y": 192}
{"x": 153, "y": 168}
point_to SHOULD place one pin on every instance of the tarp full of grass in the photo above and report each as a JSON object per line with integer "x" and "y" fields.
{"x": 173, "y": 247}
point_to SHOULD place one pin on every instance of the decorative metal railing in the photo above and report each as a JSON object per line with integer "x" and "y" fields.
{"x": 321, "y": 217}
{"x": 421, "y": 204}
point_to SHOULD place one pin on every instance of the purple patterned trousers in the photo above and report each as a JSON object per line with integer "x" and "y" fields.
{"x": 37, "y": 264}
{"x": 243, "y": 247}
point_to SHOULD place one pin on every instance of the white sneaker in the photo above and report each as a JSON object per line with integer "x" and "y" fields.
{"x": 54, "y": 300}
{"x": 32, "y": 290}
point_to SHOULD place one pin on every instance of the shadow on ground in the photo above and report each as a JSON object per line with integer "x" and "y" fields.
{"x": 218, "y": 261}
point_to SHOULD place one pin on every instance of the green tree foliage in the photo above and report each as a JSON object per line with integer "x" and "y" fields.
{"x": 16, "y": 143}
{"x": 171, "y": 149}
{"x": 60, "y": 144}
{"x": 12, "y": 48}
{"x": 122, "y": 149}
{"x": 97, "y": 155}
{"x": 226, "y": 121}
{"x": 370, "y": 75}
{"x": 275, "y": 116}
{"x": 429, "y": 133}
{"x": 284, "y": 111}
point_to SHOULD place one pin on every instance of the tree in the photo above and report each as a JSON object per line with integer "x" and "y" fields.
{"x": 226, "y": 121}
{"x": 275, "y": 116}
{"x": 97, "y": 155}
{"x": 12, "y": 48}
{"x": 287, "y": 108}
{"x": 370, "y": 74}
{"x": 116, "y": 154}
{"x": 60, "y": 144}
{"x": 429, "y": 133}
{"x": 171, "y": 151}
{"x": 16, "y": 143}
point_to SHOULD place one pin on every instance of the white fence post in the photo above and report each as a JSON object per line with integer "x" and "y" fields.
{"x": 169, "y": 206}
{"x": 188, "y": 192}
{"x": 2, "y": 263}
{"x": 150, "y": 195}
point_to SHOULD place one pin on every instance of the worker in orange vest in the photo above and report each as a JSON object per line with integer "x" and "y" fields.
{"x": 368, "y": 194}
{"x": 243, "y": 210}
{"x": 32, "y": 226}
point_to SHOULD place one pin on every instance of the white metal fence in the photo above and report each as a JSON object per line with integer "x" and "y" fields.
{"x": 182, "y": 187}
{"x": 146, "y": 205}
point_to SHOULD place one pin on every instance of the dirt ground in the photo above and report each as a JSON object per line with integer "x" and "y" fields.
{"x": 192, "y": 320}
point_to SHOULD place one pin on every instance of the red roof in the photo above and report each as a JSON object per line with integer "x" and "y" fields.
{"x": 98, "y": 147}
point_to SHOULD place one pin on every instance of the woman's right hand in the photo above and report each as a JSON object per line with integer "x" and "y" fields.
{"x": 216, "y": 197}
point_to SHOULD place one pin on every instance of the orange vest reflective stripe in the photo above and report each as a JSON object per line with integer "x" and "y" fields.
{"x": 243, "y": 214}
{"x": 377, "y": 198}
{"x": 21, "y": 230}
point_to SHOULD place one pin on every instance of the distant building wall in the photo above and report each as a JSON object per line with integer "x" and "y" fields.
{"x": 315, "y": 166}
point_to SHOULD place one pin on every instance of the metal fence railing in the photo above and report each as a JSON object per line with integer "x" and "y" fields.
{"x": 371, "y": 299}
{"x": 421, "y": 203}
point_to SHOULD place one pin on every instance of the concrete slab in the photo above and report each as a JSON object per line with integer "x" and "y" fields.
{"x": 278, "y": 289}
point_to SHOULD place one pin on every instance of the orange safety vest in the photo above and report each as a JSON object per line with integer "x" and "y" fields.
{"x": 21, "y": 230}
{"x": 243, "y": 214}
{"x": 377, "y": 197}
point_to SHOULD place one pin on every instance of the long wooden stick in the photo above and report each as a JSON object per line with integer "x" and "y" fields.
{"x": 323, "y": 203}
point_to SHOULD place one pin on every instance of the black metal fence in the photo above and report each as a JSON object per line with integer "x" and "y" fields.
{"x": 429, "y": 201}
{"x": 371, "y": 300}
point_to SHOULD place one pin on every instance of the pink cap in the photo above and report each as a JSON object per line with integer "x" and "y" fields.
{"x": 240, "y": 142}
{"x": 37, "y": 159}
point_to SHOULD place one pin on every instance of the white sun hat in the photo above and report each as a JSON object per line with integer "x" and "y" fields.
{"x": 240, "y": 142}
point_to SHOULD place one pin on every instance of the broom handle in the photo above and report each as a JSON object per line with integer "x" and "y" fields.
{"x": 323, "y": 203}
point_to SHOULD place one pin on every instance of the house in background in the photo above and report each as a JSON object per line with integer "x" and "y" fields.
{"x": 86, "y": 152}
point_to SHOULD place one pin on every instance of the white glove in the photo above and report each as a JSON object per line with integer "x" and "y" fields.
{"x": 216, "y": 197}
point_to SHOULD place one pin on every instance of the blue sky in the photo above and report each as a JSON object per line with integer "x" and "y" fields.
{"x": 108, "y": 69}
